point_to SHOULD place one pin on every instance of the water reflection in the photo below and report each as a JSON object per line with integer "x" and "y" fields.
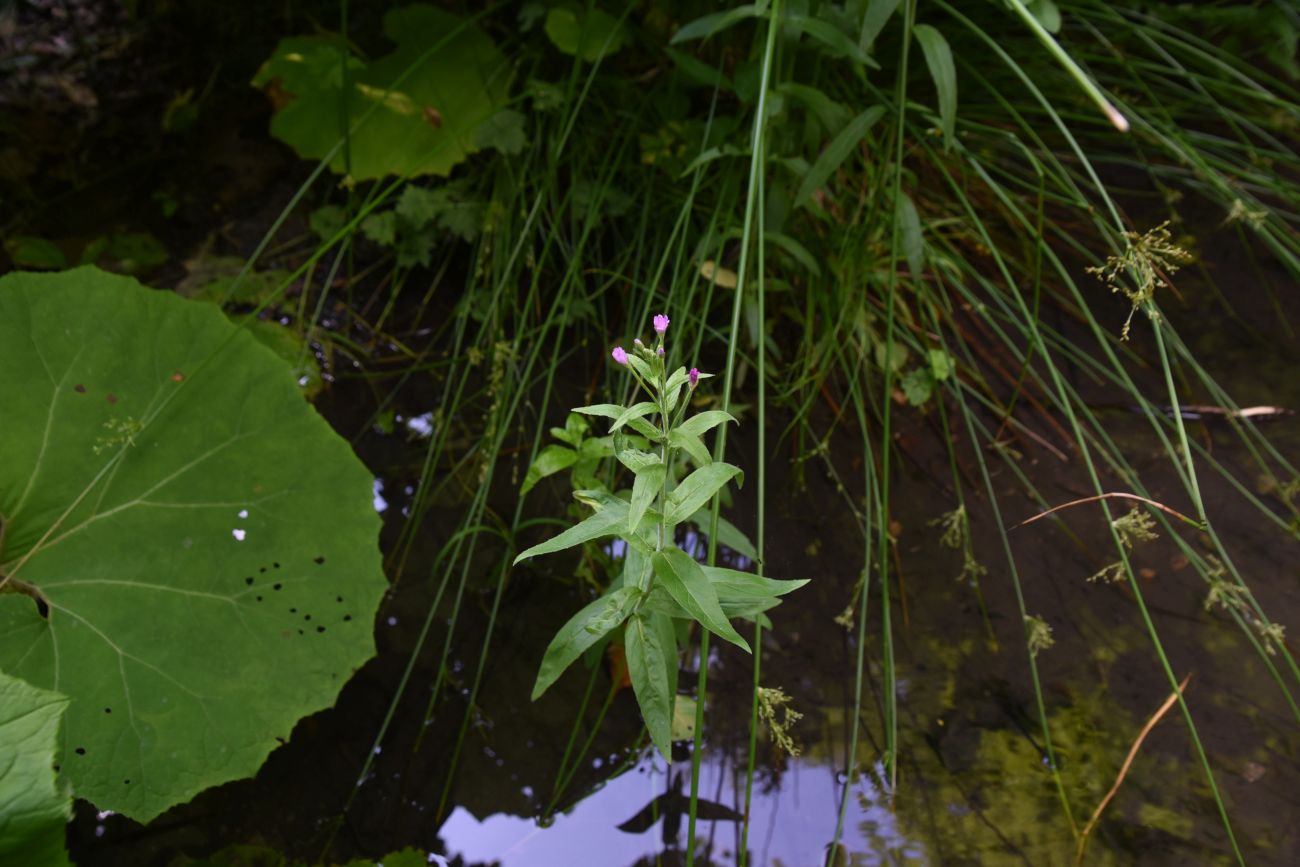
{"x": 790, "y": 824}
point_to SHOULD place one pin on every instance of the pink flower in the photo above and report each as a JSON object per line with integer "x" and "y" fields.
{"x": 694, "y": 376}
{"x": 619, "y": 355}
{"x": 661, "y": 323}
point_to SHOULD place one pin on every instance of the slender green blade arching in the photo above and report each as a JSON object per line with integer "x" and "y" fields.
{"x": 582, "y": 631}
{"x": 686, "y": 582}
{"x": 34, "y": 805}
{"x": 203, "y": 547}
{"x": 608, "y": 520}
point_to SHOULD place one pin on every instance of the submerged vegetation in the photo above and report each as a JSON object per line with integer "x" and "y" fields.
{"x": 975, "y": 272}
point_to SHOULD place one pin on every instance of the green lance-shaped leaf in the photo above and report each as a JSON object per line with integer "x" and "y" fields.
{"x": 651, "y": 653}
{"x": 833, "y": 40}
{"x": 642, "y": 367}
{"x": 701, "y": 423}
{"x": 548, "y": 462}
{"x": 648, "y": 483}
{"x": 637, "y": 410}
{"x": 604, "y": 522}
{"x": 734, "y": 586}
{"x": 696, "y": 489}
{"x": 602, "y": 410}
{"x": 715, "y": 22}
{"x": 680, "y": 376}
{"x": 686, "y": 582}
{"x": 637, "y": 460}
{"x": 204, "y": 546}
{"x": 878, "y": 14}
{"x": 692, "y": 445}
{"x": 836, "y": 153}
{"x": 613, "y": 410}
{"x": 35, "y": 805}
{"x": 909, "y": 226}
{"x": 938, "y": 56}
{"x": 584, "y": 629}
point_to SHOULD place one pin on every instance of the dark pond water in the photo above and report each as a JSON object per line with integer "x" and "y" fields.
{"x": 972, "y": 785}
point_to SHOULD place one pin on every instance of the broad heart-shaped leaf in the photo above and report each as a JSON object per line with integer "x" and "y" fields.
{"x": 583, "y": 630}
{"x": 651, "y": 654}
{"x": 423, "y": 124}
{"x": 686, "y": 582}
{"x": 605, "y": 521}
{"x": 205, "y": 545}
{"x": 695, "y": 490}
{"x": 34, "y": 805}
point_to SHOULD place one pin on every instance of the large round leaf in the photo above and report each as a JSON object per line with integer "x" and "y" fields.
{"x": 429, "y": 96}
{"x": 194, "y": 550}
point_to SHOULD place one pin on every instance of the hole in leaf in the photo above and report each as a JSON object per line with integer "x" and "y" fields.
{"x": 347, "y": 616}
{"x": 293, "y": 610}
{"x": 300, "y": 632}
{"x": 319, "y": 561}
{"x": 249, "y": 580}
{"x": 81, "y": 751}
{"x": 108, "y": 710}
{"x": 276, "y": 565}
{"x": 259, "y": 599}
{"x": 263, "y": 569}
{"x": 308, "y": 617}
{"x": 276, "y": 586}
{"x": 126, "y": 782}
{"x": 338, "y": 598}
{"x": 320, "y": 628}
{"x": 79, "y": 388}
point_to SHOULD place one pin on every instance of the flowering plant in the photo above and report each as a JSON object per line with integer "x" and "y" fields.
{"x": 661, "y": 588}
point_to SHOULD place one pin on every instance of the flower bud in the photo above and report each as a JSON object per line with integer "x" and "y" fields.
{"x": 620, "y": 355}
{"x": 694, "y": 377}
